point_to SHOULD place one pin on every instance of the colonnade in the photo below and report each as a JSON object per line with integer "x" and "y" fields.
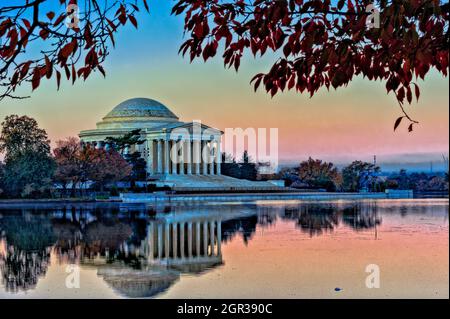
{"x": 192, "y": 240}
{"x": 180, "y": 157}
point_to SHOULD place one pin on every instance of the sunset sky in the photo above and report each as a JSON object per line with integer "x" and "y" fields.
{"x": 352, "y": 123}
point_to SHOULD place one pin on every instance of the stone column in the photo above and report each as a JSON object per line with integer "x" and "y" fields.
{"x": 212, "y": 236}
{"x": 182, "y": 154}
{"x": 189, "y": 156}
{"x": 175, "y": 240}
{"x": 150, "y": 242}
{"x": 218, "y": 158}
{"x": 167, "y": 241}
{"x": 160, "y": 156}
{"x": 159, "y": 241}
{"x": 174, "y": 157}
{"x": 197, "y": 239}
{"x": 149, "y": 158}
{"x": 189, "y": 239}
{"x": 182, "y": 239}
{"x": 197, "y": 156}
{"x": 212, "y": 161}
{"x": 204, "y": 157}
{"x": 166, "y": 156}
{"x": 219, "y": 237}
{"x": 205, "y": 238}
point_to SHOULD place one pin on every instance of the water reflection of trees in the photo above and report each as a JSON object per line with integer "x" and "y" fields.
{"x": 27, "y": 254}
{"x": 315, "y": 219}
{"x": 361, "y": 217}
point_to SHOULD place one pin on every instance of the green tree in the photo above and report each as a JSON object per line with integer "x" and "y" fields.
{"x": 29, "y": 166}
{"x": 248, "y": 168}
{"x": 127, "y": 141}
{"x": 120, "y": 144}
{"x": 20, "y": 134}
{"x": 358, "y": 175}
{"x": 245, "y": 169}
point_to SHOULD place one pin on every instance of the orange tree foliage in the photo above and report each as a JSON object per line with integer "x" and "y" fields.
{"x": 76, "y": 164}
{"x": 323, "y": 43}
{"x": 73, "y": 49}
{"x": 318, "y": 174}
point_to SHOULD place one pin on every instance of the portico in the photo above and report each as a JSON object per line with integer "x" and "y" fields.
{"x": 177, "y": 151}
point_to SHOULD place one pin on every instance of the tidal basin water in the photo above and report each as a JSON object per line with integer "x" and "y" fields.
{"x": 282, "y": 249}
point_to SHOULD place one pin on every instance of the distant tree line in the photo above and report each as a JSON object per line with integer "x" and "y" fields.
{"x": 357, "y": 176}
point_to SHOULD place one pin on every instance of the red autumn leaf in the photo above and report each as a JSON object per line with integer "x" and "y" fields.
{"x": 58, "y": 79}
{"x": 43, "y": 34}
{"x": 409, "y": 94}
{"x": 60, "y": 19}
{"x": 36, "y": 80}
{"x": 397, "y": 122}
{"x": 50, "y": 15}
{"x": 417, "y": 91}
{"x": 26, "y": 23}
{"x": 133, "y": 21}
{"x": 146, "y": 5}
{"x": 68, "y": 49}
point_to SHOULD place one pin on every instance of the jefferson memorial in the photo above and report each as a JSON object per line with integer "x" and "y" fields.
{"x": 181, "y": 155}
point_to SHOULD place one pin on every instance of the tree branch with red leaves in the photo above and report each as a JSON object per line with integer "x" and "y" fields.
{"x": 73, "y": 41}
{"x": 323, "y": 43}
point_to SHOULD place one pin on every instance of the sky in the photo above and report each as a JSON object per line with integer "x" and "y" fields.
{"x": 351, "y": 123}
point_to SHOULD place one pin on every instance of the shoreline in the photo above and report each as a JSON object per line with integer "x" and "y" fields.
{"x": 159, "y": 198}
{"x": 319, "y": 196}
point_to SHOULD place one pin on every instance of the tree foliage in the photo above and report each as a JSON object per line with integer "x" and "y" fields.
{"x": 69, "y": 171}
{"x": 103, "y": 166}
{"x": 359, "y": 175}
{"x": 130, "y": 140}
{"x": 28, "y": 175}
{"x": 20, "y": 134}
{"x": 245, "y": 169}
{"x": 318, "y": 174}
{"x": 78, "y": 164}
{"x": 72, "y": 42}
{"x": 320, "y": 43}
{"x": 29, "y": 166}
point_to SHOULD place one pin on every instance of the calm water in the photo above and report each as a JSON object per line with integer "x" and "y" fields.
{"x": 282, "y": 249}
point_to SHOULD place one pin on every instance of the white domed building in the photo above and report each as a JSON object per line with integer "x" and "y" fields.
{"x": 182, "y": 155}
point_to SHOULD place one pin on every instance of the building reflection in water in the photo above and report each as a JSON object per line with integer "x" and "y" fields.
{"x": 141, "y": 251}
